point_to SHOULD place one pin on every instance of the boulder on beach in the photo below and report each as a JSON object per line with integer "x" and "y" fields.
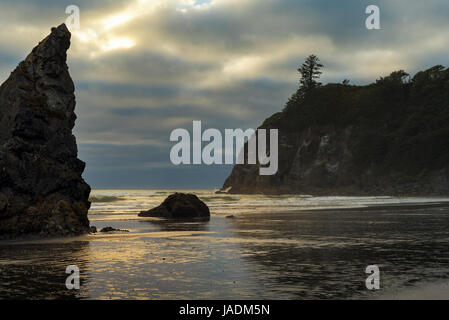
{"x": 42, "y": 191}
{"x": 111, "y": 229}
{"x": 180, "y": 206}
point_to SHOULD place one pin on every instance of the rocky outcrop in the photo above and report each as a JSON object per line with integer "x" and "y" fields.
{"x": 180, "y": 206}
{"x": 41, "y": 188}
{"x": 111, "y": 229}
{"x": 322, "y": 161}
{"x": 386, "y": 138}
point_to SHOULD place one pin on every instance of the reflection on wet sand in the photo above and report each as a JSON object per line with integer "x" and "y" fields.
{"x": 323, "y": 254}
{"x": 266, "y": 255}
{"x": 178, "y": 225}
{"x": 37, "y": 271}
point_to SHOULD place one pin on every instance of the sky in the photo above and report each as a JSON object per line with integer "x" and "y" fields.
{"x": 143, "y": 68}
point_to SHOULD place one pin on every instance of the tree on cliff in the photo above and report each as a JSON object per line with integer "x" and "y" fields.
{"x": 310, "y": 71}
{"x": 389, "y": 135}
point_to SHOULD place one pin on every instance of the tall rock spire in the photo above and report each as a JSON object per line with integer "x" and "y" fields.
{"x": 41, "y": 188}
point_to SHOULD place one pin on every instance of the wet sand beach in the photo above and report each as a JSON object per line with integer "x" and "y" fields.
{"x": 264, "y": 252}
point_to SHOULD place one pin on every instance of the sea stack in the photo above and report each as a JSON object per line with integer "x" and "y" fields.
{"x": 181, "y": 206}
{"x": 41, "y": 188}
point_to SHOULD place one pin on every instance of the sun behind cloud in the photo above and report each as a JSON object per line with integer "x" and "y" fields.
{"x": 116, "y": 20}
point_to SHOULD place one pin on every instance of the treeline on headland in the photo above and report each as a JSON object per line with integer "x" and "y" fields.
{"x": 388, "y": 137}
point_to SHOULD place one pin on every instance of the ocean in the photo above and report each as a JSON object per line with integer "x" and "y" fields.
{"x": 254, "y": 247}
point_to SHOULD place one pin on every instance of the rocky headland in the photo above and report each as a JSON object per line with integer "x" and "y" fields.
{"x": 390, "y": 137}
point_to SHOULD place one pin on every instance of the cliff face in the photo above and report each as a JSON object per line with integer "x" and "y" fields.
{"x": 387, "y": 138}
{"x": 41, "y": 188}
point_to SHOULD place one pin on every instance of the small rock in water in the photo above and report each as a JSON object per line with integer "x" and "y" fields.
{"x": 111, "y": 229}
{"x": 230, "y": 216}
{"x": 93, "y": 229}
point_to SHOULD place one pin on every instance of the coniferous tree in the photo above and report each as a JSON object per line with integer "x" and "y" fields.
{"x": 310, "y": 71}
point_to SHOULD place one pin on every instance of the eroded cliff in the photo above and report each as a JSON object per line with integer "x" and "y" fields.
{"x": 387, "y": 138}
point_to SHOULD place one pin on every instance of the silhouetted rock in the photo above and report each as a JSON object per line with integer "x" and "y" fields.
{"x": 180, "y": 206}
{"x": 41, "y": 188}
{"x": 111, "y": 229}
{"x": 385, "y": 138}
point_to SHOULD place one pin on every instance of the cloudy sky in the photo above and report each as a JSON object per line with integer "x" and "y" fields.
{"x": 145, "y": 67}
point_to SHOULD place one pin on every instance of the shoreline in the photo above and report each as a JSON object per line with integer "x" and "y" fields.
{"x": 29, "y": 239}
{"x": 387, "y": 206}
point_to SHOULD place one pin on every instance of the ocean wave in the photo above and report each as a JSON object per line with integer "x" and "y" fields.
{"x": 95, "y": 199}
{"x": 219, "y": 198}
